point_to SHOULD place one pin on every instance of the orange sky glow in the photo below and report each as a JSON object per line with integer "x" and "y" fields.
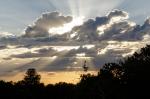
{"x": 53, "y": 77}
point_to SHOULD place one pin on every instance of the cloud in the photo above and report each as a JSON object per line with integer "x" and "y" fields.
{"x": 42, "y": 25}
{"x": 113, "y": 22}
{"x": 118, "y": 13}
{"x": 51, "y": 59}
{"x": 44, "y": 52}
{"x": 114, "y": 26}
{"x": 3, "y": 47}
{"x": 6, "y": 35}
{"x": 99, "y": 40}
{"x": 88, "y": 30}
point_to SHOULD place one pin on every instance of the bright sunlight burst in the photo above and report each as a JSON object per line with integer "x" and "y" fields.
{"x": 67, "y": 27}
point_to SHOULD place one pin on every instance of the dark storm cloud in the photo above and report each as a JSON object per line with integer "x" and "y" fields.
{"x": 42, "y": 25}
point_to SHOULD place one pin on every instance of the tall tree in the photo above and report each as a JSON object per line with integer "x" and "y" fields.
{"x": 32, "y": 77}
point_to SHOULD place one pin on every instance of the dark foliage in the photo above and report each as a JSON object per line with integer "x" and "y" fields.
{"x": 127, "y": 79}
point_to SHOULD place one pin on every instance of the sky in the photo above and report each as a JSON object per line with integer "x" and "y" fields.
{"x": 18, "y": 14}
{"x": 57, "y": 36}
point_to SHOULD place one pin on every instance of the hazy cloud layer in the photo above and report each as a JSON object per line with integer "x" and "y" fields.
{"x": 6, "y": 35}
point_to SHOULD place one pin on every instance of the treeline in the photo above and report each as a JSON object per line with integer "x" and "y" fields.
{"x": 126, "y": 79}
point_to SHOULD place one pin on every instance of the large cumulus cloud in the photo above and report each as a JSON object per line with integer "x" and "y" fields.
{"x": 114, "y": 26}
{"x": 111, "y": 24}
{"x": 42, "y": 25}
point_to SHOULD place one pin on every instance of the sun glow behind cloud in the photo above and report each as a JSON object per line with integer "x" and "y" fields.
{"x": 67, "y": 27}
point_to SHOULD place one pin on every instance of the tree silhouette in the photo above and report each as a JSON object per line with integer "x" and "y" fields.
{"x": 32, "y": 77}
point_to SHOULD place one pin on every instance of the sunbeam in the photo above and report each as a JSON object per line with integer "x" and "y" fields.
{"x": 62, "y": 7}
{"x": 100, "y": 7}
{"x": 80, "y": 8}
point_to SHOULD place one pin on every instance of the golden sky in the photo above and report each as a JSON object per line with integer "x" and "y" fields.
{"x": 53, "y": 77}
